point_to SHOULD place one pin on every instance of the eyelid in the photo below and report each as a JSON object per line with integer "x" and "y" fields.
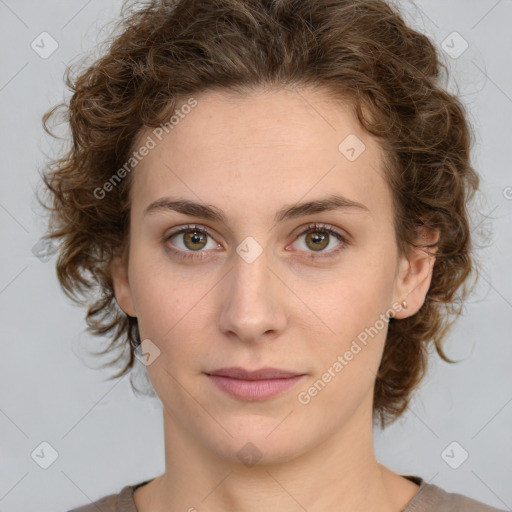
{"x": 322, "y": 227}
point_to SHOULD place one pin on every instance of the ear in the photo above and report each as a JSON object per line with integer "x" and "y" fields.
{"x": 121, "y": 283}
{"x": 415, "y": 274}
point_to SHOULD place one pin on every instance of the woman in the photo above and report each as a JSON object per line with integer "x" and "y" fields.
{"x": 272, "y": 198}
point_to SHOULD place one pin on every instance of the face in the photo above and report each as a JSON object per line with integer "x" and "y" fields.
{"x": 255, "y": 281}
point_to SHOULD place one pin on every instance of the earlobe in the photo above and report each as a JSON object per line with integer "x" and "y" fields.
{"x": 121, "y": 283}
{"x": 415, "y": 274}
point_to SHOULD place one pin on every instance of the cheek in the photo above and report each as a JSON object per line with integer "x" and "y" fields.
{"x": 348, "y": 360}
{"x": 353, "y": 322}
{"x": 159, "y": 301}
{"x": 354, "y": 301}
{"x": 171, "y": 309}
{"x": 158, "y": 307}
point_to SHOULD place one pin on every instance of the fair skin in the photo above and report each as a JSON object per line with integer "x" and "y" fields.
{"x": 251, "y": 156}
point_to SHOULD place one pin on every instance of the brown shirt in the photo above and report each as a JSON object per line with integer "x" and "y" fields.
{"x": 428, "y": 498}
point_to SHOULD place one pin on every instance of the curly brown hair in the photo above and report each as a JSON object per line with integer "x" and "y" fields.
{"x": 363, "y": 50}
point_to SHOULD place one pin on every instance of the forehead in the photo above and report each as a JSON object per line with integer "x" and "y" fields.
{"x": 262, "y": 149}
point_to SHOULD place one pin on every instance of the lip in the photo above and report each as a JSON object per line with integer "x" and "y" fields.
{"x": 254, "y": 385}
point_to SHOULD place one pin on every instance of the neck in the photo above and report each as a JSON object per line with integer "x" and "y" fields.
{"x": 340, "y": 474}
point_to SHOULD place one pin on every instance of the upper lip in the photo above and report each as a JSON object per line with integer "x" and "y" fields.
{"x": 236, "y": 372}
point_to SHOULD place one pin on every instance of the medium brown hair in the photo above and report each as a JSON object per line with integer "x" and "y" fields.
{"x": 165, "y": 51}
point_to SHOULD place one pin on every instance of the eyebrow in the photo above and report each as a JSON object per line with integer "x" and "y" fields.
{"x": 212, "y": 213}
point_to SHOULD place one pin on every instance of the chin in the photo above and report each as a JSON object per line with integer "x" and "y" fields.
{"x": 260, "y": 440}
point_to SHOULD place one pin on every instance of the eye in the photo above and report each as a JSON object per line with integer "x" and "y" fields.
{"x": 318, "y": 237}
{"x": 192, "y": 240}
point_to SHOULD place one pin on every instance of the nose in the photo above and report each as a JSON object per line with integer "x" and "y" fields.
{"x": 253, "y": 303}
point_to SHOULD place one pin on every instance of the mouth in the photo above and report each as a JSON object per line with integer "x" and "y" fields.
{"x": 253, "y": 385}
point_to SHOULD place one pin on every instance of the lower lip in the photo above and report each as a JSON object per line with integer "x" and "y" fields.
{"x": 254, "y": 389}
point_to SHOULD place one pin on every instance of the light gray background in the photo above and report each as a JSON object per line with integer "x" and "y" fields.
{"x": 104, "y": 435}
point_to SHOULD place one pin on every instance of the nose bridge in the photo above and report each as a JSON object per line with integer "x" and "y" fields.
{"x": 252, "y": 305}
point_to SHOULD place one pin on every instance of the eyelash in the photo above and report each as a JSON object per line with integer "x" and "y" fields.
{"x": 320, "y": 228}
